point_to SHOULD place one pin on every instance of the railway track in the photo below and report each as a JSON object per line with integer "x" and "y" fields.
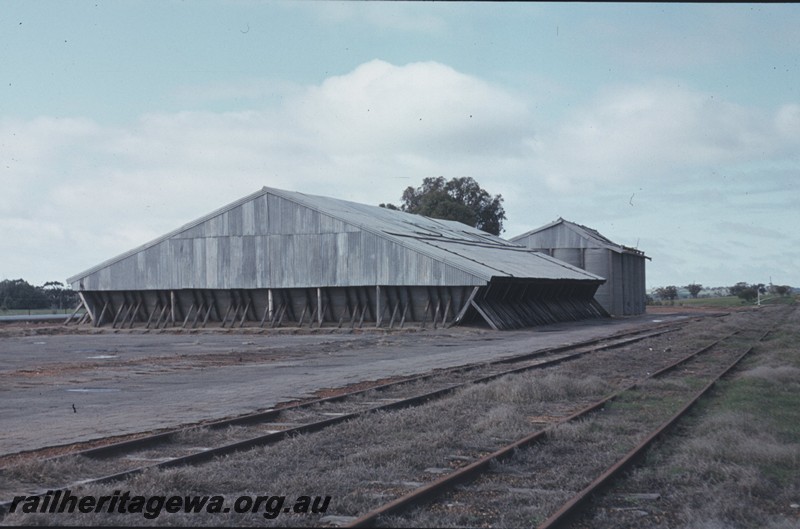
{"x": 524, "y": 473}
{"x": 188, "y": 446}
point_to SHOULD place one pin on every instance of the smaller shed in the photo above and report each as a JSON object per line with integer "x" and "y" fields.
{"x": 623, "y": 267}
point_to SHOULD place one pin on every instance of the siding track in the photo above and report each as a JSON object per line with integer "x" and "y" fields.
{"x": 554, "y": 470}
{"x": 189, "y": 446}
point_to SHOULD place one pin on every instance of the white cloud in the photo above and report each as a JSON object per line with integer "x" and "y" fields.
{"x": 39, "y": 153}
{"x": 364, "y": 136}
{"x": 787, "y": 122}
{"x": 422, "y": 108}
{"x": 656, "y": 132}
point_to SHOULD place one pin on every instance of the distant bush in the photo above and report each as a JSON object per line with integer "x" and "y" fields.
{"x": 18, "y": 294}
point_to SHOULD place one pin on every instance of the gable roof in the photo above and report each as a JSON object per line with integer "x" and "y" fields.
{"x": 456, "y": 245}
{"x": 593, "y": 236}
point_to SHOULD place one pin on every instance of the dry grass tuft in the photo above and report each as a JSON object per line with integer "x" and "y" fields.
{"x": 528, "y": 387}
{"x": 50, "y": 474}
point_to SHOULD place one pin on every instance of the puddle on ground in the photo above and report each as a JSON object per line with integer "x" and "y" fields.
{"x": 101, "y": 357}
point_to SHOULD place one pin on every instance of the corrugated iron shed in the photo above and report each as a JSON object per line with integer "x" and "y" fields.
{"x": 283, "y": 255}
{"x": 624, "y": 292}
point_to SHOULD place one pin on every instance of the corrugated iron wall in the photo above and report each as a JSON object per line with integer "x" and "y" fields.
{"x": 573, "y": 256}
{"x": 635, "y": 293}
{"x": 302, "y": 248}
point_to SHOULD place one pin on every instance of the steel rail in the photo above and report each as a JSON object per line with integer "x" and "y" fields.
{"x": 430, "y": 491}
{"x": 149, "y": 441}
{"x": 616, "y": 340}
{"x": 416, "y": 400}
{"x": 570, "y": 508}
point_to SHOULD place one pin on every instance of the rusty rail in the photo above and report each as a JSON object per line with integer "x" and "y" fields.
{"x": 115, "y": 449}
{"x": 571, "y": 507}
{"x": 432, "y": 490}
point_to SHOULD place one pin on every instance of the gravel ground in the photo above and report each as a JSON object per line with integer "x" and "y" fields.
{"x": 362, "y": 463}
{"x": 126, "y": 382}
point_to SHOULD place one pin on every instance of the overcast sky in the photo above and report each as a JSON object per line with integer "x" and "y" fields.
{"x": 671, "y": 128}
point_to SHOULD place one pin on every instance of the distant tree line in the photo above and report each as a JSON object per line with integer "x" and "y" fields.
{"x": 667, "y": 293}
{"x": 16, "y": 294}
{"x": 747, "y": 292}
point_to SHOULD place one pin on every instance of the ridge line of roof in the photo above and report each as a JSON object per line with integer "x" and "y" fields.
{"x": 589, "y": 232}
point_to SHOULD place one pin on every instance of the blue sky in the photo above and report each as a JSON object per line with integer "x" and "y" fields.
{"x": 673, "y": 128}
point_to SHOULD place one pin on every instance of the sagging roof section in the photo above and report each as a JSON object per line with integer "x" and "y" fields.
{"x": 464, "y": 247}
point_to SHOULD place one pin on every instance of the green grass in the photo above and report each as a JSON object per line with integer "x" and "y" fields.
{"x": 742, "y": 447}
{"x": 769, "y": 393}
{"x": 776, "y": 404}
{"x": 768, "y": 437}
{"x": 788, "y": 300}
{"x": 730, "y": 301}
{"x": 725, "y": 301}
{"x": 734, "y": 461}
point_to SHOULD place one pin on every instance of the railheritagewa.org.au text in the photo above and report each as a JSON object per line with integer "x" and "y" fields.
{"x": 151, "y": 507}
